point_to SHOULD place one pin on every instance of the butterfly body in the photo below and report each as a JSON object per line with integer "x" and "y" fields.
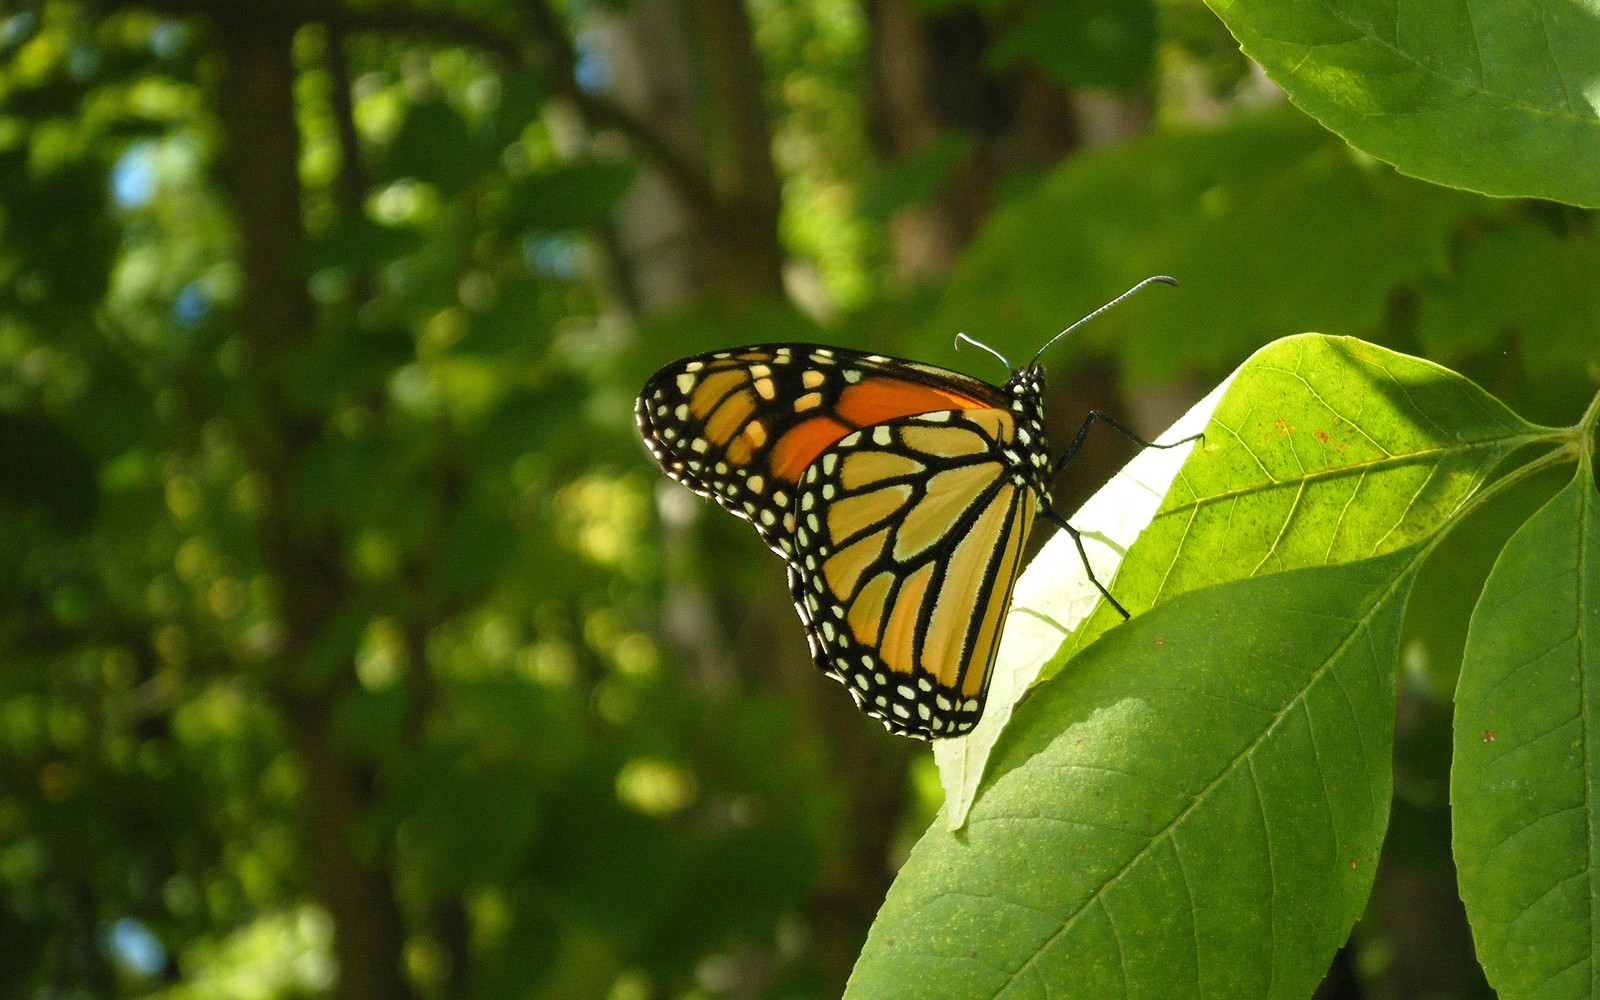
{"x": 899, "y": 494}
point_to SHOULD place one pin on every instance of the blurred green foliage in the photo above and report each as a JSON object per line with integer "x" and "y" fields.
{"x": 419, "y": 540}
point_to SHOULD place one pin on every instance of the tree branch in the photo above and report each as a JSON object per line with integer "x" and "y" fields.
{"x": 551, "y": 54}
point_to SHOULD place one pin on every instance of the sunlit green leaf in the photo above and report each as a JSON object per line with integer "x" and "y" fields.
{"x": 1323, "y": 450}
{"x": 1447, "y": 586}
{"x": 1524, "y": 784}
{"x": 1194, "y": 810}
{"x": 1497, "y": 98}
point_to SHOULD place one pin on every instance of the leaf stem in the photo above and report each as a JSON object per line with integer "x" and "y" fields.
{"x": 1484, "y": 494}
{"x": 1591, "y": 416}
{"x": 1576, "y": 443}
{"x": 1586, "y": 428}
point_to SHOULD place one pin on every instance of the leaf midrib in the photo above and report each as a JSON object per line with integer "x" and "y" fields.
{"x": 1586, "y": 486}
{"x": 1508, "y": 444}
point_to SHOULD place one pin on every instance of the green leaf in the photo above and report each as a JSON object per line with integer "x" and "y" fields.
{"x": 42, "y": 465}
{"x": 522, "y": 101}
{"x": 1526, "y": 776}
{"x": 1230, "y": 212}
{"x": 1083, "y": 43}
{"x": 1496, "y": 98}
{"x": 1446, "y": 592}
{"x": 1195, "y": 809}
{"x": 914, "y": 178}
{"x": 435, "y": 145}
{"x": 1529, "y": 282}
{"x": 358, "y": 243}
{"x": 570, "y": 196}
{"x": 1323, "y": 450}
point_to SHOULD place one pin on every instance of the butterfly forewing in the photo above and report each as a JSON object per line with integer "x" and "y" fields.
{"x": 741, "y": 426}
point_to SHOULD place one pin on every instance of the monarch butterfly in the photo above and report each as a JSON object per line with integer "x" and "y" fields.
{"x": 899, "y": 494}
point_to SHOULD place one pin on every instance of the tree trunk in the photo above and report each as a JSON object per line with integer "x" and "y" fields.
{"x": 256, "y": 105}
{"x": 929, "y": 83}
{"x": 691, "y": 72}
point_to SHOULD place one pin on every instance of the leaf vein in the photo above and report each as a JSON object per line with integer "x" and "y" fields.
{"x": 1536, "y": 821}
{"x": 1272, "y": 874}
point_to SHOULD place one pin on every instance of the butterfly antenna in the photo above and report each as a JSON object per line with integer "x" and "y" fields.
{"x": 984, "y": 347}
{"x": 1159, "y": 277}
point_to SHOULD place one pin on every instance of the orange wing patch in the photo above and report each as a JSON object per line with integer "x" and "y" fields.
{"x": 801, "y": 444}
{"x": 876, "y": 400}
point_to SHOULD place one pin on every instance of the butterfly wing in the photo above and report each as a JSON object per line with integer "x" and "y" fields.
{"x": 907, "y": 543}
{"x": 741, "y": 426}
{"x": 892, "y": 490}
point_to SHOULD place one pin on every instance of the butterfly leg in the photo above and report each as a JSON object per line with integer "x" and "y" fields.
{"x": 1083, "y": 432}
{"x": 1077, "y": 539}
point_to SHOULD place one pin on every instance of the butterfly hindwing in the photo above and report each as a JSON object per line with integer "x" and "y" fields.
{"x": 907, "y": 543}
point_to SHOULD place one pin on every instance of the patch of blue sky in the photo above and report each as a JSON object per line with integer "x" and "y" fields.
{"x": 133, "y": 176}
